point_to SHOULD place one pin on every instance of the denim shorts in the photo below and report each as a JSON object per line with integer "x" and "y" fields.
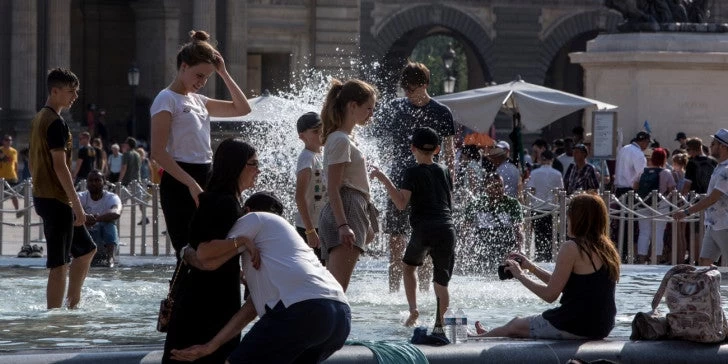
{"x": 540, "y": 328}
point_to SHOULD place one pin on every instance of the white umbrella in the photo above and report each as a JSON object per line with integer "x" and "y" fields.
{"x": 271, "y": 108}
{"x": 538, "y": 105}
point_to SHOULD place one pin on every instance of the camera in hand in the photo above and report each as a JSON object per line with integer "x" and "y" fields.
{"x": 503, "y": 274}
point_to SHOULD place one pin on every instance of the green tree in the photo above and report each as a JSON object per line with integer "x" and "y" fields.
{"x": 429, "y": 52}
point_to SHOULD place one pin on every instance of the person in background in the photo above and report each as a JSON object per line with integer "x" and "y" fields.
{"x": 87, "y": 157}
{"x": 348, "y": 221}
{"x": 544, "y": 180}
{"x": 54, "y": 196}
{"x": 101, "y": 158}
{"x": 538, "y": 147}
{"x": 181, "y": 131}
{"x": 9, "y": 168}
{"x": 682, "y": 139}
{"x": 585, "y": 277}
{"x": 580, "y": 175}
{"x": 310, "y": 188}
{"x": 666, "y": 185}
{"x": 630, "y": 162}
{"x": 508, "y": 171}
{"x": 145, "y": 171}
{"x": 103, "y": 209}
{"x": 679, "y": 162}
{"x": 130, "y": 162}
{"x": 715, "y": 204}
{"x": 114, "y": 163}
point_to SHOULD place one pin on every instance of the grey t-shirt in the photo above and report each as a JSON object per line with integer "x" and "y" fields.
{"x": 132, "y": 161}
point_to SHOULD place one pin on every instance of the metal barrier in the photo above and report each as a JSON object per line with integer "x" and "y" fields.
{"x": 137, "y": 195}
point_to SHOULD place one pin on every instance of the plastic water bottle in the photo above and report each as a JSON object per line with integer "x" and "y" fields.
{"x": 461, "y": 321}
{"x": 450, "y": 326}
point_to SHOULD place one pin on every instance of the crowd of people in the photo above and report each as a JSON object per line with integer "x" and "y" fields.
{"x": 296, "y": 275}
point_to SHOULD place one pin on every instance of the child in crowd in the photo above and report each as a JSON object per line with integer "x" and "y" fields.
{"x": 310, "y": 189}
{"x": 428, "y": 187}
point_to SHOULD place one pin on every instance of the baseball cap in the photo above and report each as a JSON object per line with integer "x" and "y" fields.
{"x": 309, "y": 120}
{"x": 722, "y": 136}
{"x": 582, "y": 148}
{"x": 643, "y": 135}
{"x": 425, "y": 139}
{"x": 503, "y": 145}
{"x": 680, "y": 135}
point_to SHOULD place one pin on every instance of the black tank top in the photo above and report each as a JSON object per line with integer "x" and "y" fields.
{"x": 587, "y": 305}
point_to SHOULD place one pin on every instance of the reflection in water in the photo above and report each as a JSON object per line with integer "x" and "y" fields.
{"x": 119, "y": 305}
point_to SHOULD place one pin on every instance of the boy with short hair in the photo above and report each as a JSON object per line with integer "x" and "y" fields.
{"x": 310, "y": 189}
{"x": 54, "y": 196}
{"x": 427, "y": 186}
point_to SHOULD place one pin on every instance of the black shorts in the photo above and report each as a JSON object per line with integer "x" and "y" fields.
{"x": 63, "y": 240}
{"x": 439, "y": 242}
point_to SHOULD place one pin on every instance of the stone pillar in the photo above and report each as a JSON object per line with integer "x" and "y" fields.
{"x": 235, "y": 45}
{"x": 23, "y": 64}
{"x": 676, "y": 81}
{"x": 156, "y": 55}
{"x": 204, "y": 18}
{"x": 59, "y": 34}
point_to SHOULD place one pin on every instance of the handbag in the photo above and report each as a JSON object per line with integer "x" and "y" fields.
{"x": 166, "y": 305}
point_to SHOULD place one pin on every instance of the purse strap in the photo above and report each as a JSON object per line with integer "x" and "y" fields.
{"x": 678, "y": 269}
{"x": 177, "y": 271}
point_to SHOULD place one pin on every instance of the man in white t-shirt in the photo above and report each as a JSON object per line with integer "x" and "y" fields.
{"x": 544, "y": 180}
{"x": 102, "y": 208}
{"x": 507, "y": 170}
{"x": 630, "y": 162}
{"x": 304, "y": 314}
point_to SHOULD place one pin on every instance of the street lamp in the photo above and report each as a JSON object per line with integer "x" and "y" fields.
{"x": 133, "y": 77}
{"x": 447, "y": 59}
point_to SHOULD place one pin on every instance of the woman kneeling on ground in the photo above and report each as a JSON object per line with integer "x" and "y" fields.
{"x": 585, "y": 275}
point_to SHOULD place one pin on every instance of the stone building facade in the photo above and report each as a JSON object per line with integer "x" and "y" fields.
{"x": 265, "y": 42}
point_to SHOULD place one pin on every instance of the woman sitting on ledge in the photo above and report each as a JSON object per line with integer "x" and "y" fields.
{"x": 585, "y": 275}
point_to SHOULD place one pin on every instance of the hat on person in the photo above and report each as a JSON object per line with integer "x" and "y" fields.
{"x": 722, "y": 136}
{"x": 494, "y": 152}
{"x": 425, "y": 139}
{"x": 503, "y": 145}
{"x": 643, "y": 135}
{"x": 581, "y": 147}
{"x": 680, "y": 135}
{"x": 309, "y": 120}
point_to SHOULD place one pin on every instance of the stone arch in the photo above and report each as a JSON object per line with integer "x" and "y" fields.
{"x": 435, "y": 18}
{"x": 561, "y": 33}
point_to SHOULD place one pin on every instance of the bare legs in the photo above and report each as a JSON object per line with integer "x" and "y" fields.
{"x": 76, "y": 272}
{"x": 341, "y": 263}
{"x": 517, "y": 327}
{"x": 410, "y": 290}
{"x": 397, "y": 244}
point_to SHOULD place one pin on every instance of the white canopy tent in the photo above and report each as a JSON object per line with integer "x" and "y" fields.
{"x": 538, "y": 105}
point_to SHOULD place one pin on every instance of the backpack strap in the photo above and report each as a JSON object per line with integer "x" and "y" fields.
{"x": 680, "y": 268}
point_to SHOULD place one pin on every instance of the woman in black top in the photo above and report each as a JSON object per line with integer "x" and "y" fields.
{"x": 208, "y": 299}
{"x": 585, "y": 275}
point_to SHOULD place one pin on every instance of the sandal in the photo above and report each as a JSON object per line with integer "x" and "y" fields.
{"x": 36, "y": 251}
{"x": 25, "y": 251}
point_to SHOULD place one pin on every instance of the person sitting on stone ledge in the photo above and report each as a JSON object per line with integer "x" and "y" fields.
{"x": 585, "y": 276}
{"x": 103, "y": 209}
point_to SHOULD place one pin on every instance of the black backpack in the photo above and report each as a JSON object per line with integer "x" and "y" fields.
{"x": 650, "y": 180}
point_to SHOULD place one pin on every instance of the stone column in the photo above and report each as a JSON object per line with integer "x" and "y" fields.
{"x": 58, "y": 51}
{"x": 23, "y": 65}
{"x": 235, "y": 45}
{"x": 204, "y": 18}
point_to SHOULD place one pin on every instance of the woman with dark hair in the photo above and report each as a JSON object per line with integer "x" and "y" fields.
{"x": 585, "y": 276}
{"x": 348, "y": 221}
{"x": 209, "y": 298}
{"x": 181, "y": 131}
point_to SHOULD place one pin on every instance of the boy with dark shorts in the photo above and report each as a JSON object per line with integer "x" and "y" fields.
{"x": 54, "y": 196}
{"x": 427, "y": 187}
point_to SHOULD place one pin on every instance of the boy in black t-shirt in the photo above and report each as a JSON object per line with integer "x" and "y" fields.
{"x": 427, "y": 186}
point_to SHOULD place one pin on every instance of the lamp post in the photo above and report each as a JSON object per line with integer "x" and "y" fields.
{"x": 447, "y": 59}
{"x": 133, "y": 77}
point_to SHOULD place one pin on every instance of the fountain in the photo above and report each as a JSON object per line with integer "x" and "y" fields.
{"x": 117, "y": 315}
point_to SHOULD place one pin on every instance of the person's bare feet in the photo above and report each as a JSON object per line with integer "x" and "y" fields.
{"x": 412, "y": 319}
{"x": 479, "y": 329}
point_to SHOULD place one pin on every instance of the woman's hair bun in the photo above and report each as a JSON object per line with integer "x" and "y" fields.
{"x": 199, "y": 35}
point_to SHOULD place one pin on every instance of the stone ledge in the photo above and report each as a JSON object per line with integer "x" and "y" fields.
{"x": 484, "y": 351}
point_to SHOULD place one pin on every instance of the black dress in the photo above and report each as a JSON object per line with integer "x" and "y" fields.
{"x": 207, "y": 299}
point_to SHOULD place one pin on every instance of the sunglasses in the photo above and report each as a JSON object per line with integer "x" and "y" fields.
{"x": 254, "y": 163}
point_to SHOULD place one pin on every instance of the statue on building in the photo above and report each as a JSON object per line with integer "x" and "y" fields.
{"x": 665, "y": 15}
